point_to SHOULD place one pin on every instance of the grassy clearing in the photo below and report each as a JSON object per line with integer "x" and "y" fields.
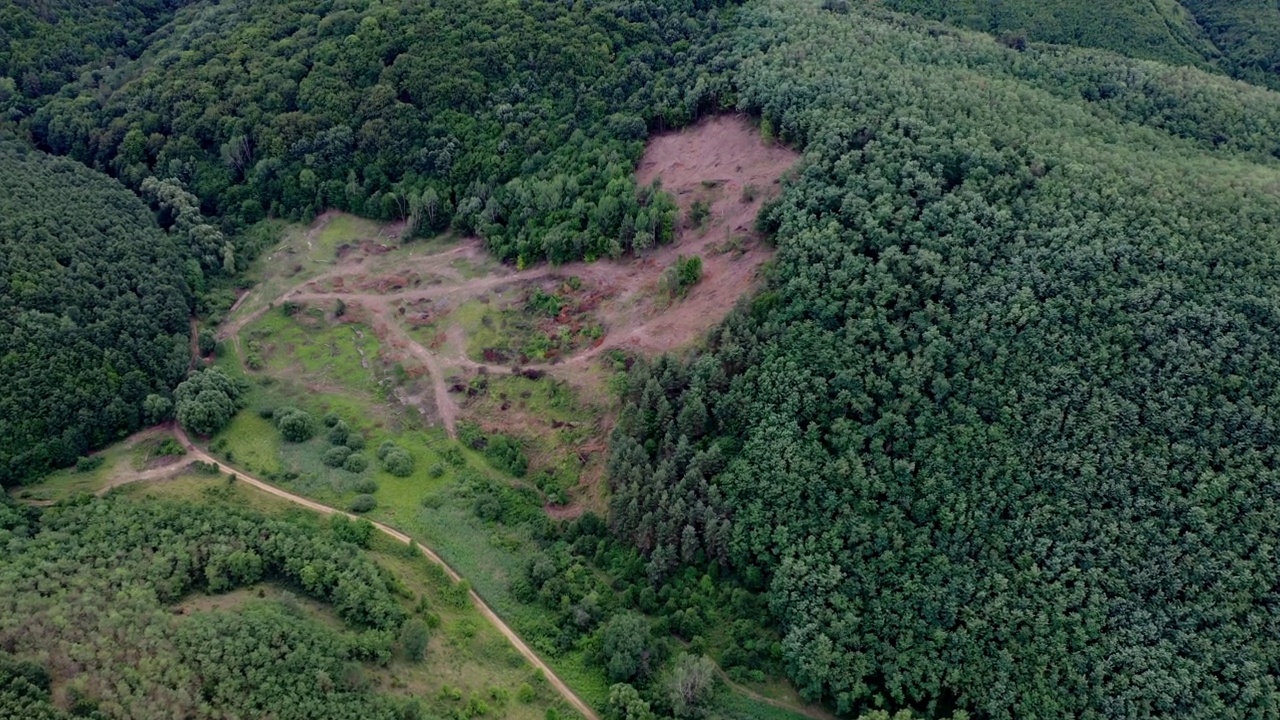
{"x": 308, "y": 347}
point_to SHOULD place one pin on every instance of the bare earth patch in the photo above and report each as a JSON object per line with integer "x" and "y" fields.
{"x": 720, "y": 164}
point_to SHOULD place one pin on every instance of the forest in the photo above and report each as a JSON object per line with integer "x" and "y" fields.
{"x": 999, "y": 434}
{"x": 521, "y": 122}
{"x": 94, "y": 303}
{"x": 89, "y": 589}
{"x": 993, "y": 437}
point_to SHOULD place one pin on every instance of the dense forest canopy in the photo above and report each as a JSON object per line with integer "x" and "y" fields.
{"x": 519, "y": 121}
{"x": 93, "y": 311}
{"x": 89, "y": 587}
{"x": 1000, "y": 435}
{"x": 44, "y": 43}
{"x": 1239, "y": 37}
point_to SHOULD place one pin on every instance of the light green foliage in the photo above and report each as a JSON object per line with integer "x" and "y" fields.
{"x": 689, "y": 686}
{"x": 625, "y": 703}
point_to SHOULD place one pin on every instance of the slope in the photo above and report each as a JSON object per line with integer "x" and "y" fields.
{"x": 1000, "y": 434}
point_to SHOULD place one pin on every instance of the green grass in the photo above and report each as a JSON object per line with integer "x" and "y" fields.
{"x": 466, "y": 656}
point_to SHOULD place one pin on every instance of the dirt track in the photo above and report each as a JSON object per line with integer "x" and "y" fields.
{"x": 194, "y": 453}
{"x": 721, "y": 162}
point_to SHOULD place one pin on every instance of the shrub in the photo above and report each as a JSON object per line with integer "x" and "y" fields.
{"x": 331, "y": 419}
{"x": 336, "y": 456}
{"x": 435, "y": 471}
{"x": 366, "y": 486}
{"x": 396, "y": 461}
{"x": 414, "y": 638}
{"x": 363, "y": 503}
{"x": 355, "y": 440}
{"x": 356, "y": 532}
{"x": 89, "y": 463}
{"x": 294, "y": 424}
{"x": 355, "y": 463}
{"x": 504, "y": 453}
{"x": 339, "y": 433}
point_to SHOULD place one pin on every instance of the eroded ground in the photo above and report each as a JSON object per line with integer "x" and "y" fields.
{"x": 462, "y": 339}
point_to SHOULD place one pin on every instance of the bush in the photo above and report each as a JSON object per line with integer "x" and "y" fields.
{"x": 339, "y": 433}
{"x": 294, "y": 424}
{"x": 356, "y": 532}
{"x": 355, "y": 463}
{"x": 89, "y": 463}
{"x": 504, "y": 453}
{"x": 363, "y": 503}
{"x": 331, "y": 419}
{"x": 366, "y": 486}
{"x": 156, "y": 409}
{"x": 336, "y": 456}
{"x": 435, "y": 471}
{"x": 398, "y": 462}
{"x": 355, "y": 440}
{"x": 414, "y": 638}
{"x": 206, "y": 342}
{"x": 207, "y": 400}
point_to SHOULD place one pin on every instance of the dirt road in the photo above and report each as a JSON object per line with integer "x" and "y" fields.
{"x": 194, "y": 453}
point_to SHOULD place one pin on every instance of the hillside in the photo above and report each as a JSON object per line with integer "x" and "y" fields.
{"x": 93, "y": 312}
{"x": 999, "y": 435}
{"x": 516, "y": 121}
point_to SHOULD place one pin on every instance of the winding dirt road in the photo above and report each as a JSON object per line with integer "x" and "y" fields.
{"x": 194, "y": 453}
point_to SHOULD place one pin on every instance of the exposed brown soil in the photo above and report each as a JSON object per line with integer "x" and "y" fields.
{"x": 721, "y": 161}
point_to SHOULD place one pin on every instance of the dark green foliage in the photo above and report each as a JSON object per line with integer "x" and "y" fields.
{"x": 207, "y": 342}
{"x": 89, "y": 463}
{"x": 93, "y": 312}
{"x": 363, "y": 503}
{"x": 46, "y": 43}
{"x": 521, "y": 122}
{"x": 395, "y": 459}
{"x": 544, "y": 303}
{"x": 626, "y": 647}
{"x": 25, "y": 692}
{"x": 298, "y": 426}
{"x": 89, "y": 592}
{"x": 999, "y": 434}
{"x": 1159, "y": 30}
{"x": 156, "y": 409}
{"x": 1247, "y": 33}
{"x": 356, "y": 463}
{"x": 356, "y": 532}
{"x": 1239, "y": 37}
{"x": 336, "y": 456}
{"x": 682, "y": 275}
{"x": 414, "y": 637}
{"x": 301, "y": 671}
{"x": 355, "y": 440}
{"x": 504, "y": 453}
{"x": 207, "y": 400}
{"x": 339, "y": 433}
{"x": 366, "y": 486}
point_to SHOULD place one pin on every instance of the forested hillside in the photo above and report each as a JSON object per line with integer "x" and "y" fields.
{"x": 88, "y": 589}
{"x": 1154, "y": 30}
{"x": 1000, "y": 435}
{"x": 519, "y": 121}
{"x": 44, "y": 43}
{"x": 1248, "y": 34}
{"x": 1238, "y": 37}
{"x": 93, "y": 311}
